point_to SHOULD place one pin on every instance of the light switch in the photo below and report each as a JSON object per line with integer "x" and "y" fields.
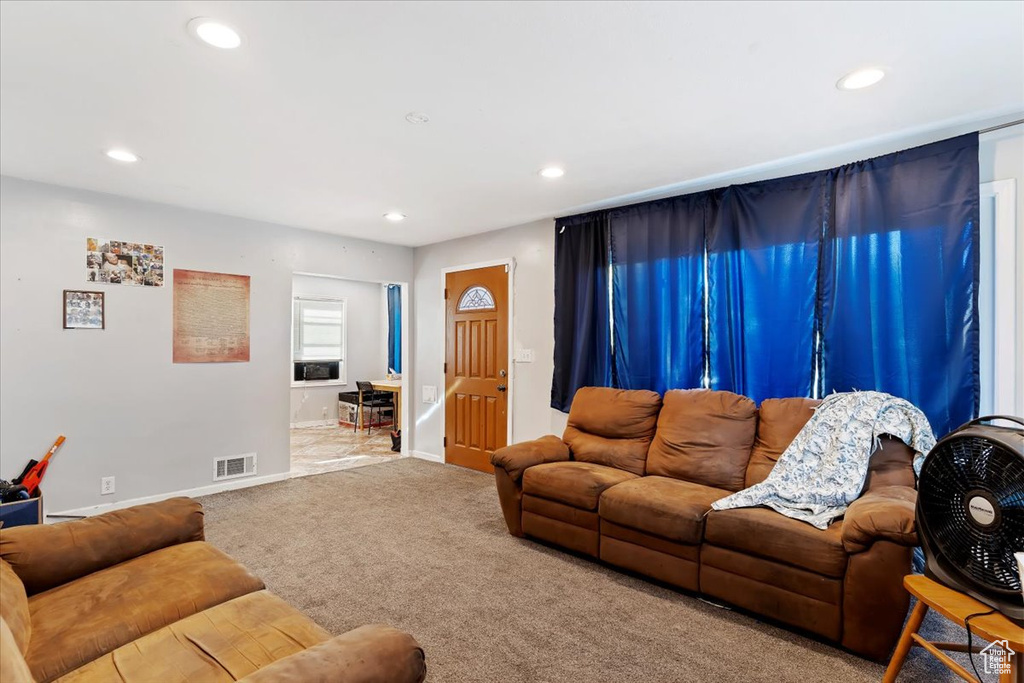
{"x": 429, "y": 394}
{"x": 524, "y": 356}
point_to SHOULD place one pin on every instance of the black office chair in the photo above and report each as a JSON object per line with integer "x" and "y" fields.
{"x": 381, "y": 400}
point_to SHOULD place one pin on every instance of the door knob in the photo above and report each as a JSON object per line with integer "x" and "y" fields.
{"x": 501, "y": 373}
{"x": 501, "y": 387}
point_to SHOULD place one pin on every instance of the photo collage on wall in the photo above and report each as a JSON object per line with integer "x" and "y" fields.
{"x": 124, "y": 263}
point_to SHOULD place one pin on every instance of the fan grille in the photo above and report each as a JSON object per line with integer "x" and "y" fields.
{"x": 956, "y": 468}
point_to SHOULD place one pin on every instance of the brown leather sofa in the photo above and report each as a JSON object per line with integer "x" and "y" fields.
{"x": 632, "y": 480}
{"x": 137, "y": 595}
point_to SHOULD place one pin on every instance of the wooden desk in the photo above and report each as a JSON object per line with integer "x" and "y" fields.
{"x": 956, "y": 607}
{"x": 395, "y": 387}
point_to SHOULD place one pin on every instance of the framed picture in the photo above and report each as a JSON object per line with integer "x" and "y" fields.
{"x": 83, "y": 310}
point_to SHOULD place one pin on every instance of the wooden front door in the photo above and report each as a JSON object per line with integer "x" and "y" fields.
{"x": 476, "y": 366}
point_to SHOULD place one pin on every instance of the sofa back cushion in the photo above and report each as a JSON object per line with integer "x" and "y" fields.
{"x": 14, "y": 606}
{"x": 48, "y": 555}
{"x": 612, "y": 427}
{"x": 892, "y": 464}
{"x": 705, "y": 437}
{"x": 779, "y": 421}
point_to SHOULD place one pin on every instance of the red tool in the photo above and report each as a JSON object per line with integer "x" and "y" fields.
{"x": 34, "y": 470}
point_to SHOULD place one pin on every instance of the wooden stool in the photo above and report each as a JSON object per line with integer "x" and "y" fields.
{"x": 956, "y": 607}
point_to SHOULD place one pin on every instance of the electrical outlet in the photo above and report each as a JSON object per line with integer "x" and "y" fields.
{"x": 106, "y": 486}
{"x": 325, "y": 412}
{"x": 524, "y": 356}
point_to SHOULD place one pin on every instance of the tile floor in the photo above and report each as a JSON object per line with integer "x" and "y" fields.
{"x": 330, "y": 448}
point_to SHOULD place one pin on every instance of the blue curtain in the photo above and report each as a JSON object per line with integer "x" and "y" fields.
{"x": 395, "y": 328}
{"x": 763, "y": 249}
{"x": 858, "y": 277}
{"x": 658, "y": 294}
{"x": 582, "y": 339}
{"x": 900, "y": 285}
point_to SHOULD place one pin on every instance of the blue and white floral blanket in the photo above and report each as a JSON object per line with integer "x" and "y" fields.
{"x": 823, "y": 470}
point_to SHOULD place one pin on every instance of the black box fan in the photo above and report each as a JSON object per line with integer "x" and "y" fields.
{"x": 970, "y": 512}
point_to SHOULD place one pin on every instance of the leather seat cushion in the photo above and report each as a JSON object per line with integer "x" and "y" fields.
{"x": 222, "y": 644}
{"x": 765, "y": 533}
{"x": 670, "y": 508}
{"x": 579, "y": 484}
{"x": 79, "y": 621}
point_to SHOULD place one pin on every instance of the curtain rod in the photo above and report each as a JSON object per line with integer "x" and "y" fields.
{"x": 1001, "y": 126}
{"x": 991, "y": 129}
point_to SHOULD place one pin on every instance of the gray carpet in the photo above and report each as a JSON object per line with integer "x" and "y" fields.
{"x": 423, "y": 547}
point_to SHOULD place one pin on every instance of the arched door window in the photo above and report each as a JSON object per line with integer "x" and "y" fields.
{"x": 476, "y": 298}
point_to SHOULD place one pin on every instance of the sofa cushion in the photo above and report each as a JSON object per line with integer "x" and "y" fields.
{"x": 48, "y": 555}
{"x": 705, "y": 437}
{"x": 765, "y": 533}
{"x": 79, "y": 621}
{"x": 223, "y": 643}
{"x": 779, "y": 420}
{"x": 13, "y": 668}
{"x": 891, "y": 464}
{"x": 612, "y": 427}
{"x": 579, "y": 484}
{"x": 670, "y": 508}
{"x": 14, "y": 607}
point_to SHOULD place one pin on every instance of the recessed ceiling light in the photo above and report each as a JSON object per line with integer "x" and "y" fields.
{"x": 394, "y": 216}
{"x": 552, "y": 172}
{"x": 417, "y": 117}
{"x": 215, "y": 33}
{"x": 861, "y": 78}
{"x": 123, "y": 155}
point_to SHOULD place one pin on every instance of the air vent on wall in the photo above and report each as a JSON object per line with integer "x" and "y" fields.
{"x": 234, "y": 466}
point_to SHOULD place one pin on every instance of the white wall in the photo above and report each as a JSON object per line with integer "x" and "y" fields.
{"x": 532, "y": 246}
{"x": 363, "y": 343}
{"x": 1001, "y": 157}
{"x": 126, "y": 409}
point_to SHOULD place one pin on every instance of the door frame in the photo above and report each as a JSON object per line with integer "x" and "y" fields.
{"x": 510, "y": 263}
{"x": 1002, "y": 392}
{"x": 406, "y": 381}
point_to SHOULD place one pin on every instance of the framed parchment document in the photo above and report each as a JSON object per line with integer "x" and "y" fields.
{"x": 211, "y": 317}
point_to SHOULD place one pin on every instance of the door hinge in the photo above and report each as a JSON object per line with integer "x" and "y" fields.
{"x": 446, "y": 442}
{"x": 506, "y": 267}
{"x": 445, "y": 293}
{"x": 446, "y": 368}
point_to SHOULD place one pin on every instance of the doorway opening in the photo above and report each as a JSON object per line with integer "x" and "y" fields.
{"x": 346, "y": 373}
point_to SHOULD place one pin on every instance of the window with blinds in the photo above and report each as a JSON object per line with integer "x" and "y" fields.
{"x": 318, "y": 326}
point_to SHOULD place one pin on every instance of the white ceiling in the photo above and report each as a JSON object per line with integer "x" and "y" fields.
{"x": 304, "y": 125}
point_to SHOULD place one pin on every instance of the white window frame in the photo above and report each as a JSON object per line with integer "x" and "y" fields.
{"x": 1002, "y": 390}
{"x": 296, "y": 333}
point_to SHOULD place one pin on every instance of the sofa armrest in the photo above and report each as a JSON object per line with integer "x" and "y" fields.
{"x": 368, "y": 654}
{"x": 48, "y": 555}
{"x": 515, "y": 459}
{"x": 884, "y": 513}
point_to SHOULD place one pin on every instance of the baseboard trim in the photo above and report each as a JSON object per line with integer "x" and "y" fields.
{"x": 423, "y": 455}
{"x": 191, "y": 493}
{"x": 314, "y": 423}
